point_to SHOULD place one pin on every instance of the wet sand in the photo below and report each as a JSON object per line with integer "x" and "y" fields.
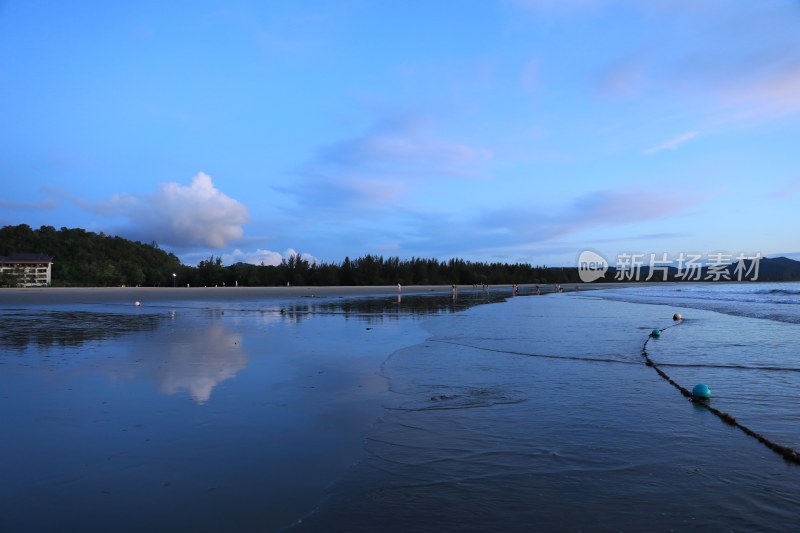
{"x": 44, "y": 295}
{"x": 61, "y": 295}
{"x": 219, "y": 409}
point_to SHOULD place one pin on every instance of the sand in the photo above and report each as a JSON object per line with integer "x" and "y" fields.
{"x": 43, "y": 295}
{"x": 62, "y": 295}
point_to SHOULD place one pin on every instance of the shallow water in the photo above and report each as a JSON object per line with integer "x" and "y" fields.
{"x": 190, "y": 416}
{"x": 365, "y": 414}
{"x": 539, "y": 414}
{"x": 746, "y": 350}
{"x": 771, "y": 301}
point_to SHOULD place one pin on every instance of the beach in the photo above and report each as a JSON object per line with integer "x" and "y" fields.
{"x": 48, "y": 295}
{"x": 358, "y": 409}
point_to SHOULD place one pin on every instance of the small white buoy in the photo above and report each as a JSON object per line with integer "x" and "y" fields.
{"x": 137, "y": 303}
{"x": 677, "y": 316}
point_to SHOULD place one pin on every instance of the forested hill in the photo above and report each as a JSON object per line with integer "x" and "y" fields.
{"x": 85, "y": 259}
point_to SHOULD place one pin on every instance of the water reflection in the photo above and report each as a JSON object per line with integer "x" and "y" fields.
{"x": 194, "y": 360}
{"x": 45, "y": 329}
{"x": 378, "y": 309}
{"x": 193, "y": 356}
{"x": 195, "y": 349}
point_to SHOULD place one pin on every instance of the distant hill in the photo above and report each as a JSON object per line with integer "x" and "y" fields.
{"x": 85, "y": 259}
{"x": 779, "y": 269}
{"x": 768, "y": 269}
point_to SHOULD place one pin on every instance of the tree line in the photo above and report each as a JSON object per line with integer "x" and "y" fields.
{"x": 374, "y": 270}
{"x": 86, "y": 259}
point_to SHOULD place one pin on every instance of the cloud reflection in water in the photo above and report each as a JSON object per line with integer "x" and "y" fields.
{"x": 194, "y": 356}
{"x": 194, "y": 359}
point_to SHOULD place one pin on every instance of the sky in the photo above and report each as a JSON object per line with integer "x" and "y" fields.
{"x": 488, "y": 130}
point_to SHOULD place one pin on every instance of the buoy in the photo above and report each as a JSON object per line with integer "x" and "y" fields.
{"x": 655, "y": 333}
{"x": 677, "y": 316}
{"x": 283, "y": 311}
{"x": 137, "y": 303}
{"x": 701, "y": 390}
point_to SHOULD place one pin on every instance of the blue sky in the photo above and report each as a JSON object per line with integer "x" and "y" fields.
{"x": 508, "y": 130}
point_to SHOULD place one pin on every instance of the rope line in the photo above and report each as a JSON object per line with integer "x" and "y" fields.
{"x": 528, "y": 354}
{"x": 788, "y": 454}
{"x": 732, "y": 367}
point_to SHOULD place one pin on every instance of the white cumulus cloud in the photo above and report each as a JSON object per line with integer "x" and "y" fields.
{"x": 266, "y": 257}
{"x": 178, "y": 215}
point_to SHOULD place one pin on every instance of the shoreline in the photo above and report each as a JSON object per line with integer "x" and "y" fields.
{"x": 59, "y": 295}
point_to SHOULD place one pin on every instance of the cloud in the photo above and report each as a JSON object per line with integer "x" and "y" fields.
{"x": 672, "y": 144}
{"x": 47, "y": 204}
{"x": 613, "y": 207}
{"x": 623, "y": 206}
{"x": 265, "y": 257}
{"x": 560, "y": 7}
{"x": 746, "y": 67}
{"x": 628, "y": 238}
{"x": 181, "y": 216}
{"x": 623, "y": 78}
{"x": 328, "y": 191}
{"x": 372, "y": 170}
{"x": 529, "y": 228}
{"x": 770, "y": 95}
{"x": 401, "y": 146}
{"x": 786, "y": 191}
{"x": 759, "y": 84}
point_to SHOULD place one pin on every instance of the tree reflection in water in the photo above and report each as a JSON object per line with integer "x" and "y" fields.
{"x": 44, "y": 329}
{"x": 375, "y": 310}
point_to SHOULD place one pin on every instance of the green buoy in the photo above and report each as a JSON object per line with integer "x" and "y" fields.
{"x": 701, "y": 390}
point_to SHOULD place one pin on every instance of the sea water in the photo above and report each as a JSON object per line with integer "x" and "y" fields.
{"x": 539, "y": 414}
{"x": 747, "y": 350}
{"x": 533, "y": 413}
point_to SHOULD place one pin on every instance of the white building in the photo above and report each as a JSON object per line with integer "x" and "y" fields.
{"x": 30, "y": 270}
